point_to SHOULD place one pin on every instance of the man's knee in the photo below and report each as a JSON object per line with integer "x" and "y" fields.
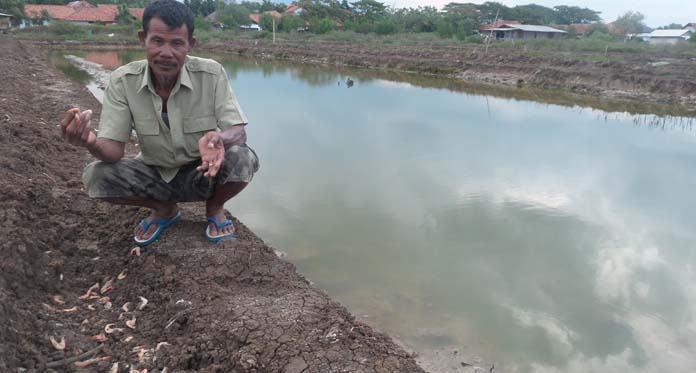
{"x": 97, "y": 177}
{"x": 241, "y": 163}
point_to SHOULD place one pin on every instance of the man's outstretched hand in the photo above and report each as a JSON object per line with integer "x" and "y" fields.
{"x": 212, "y": 153}
{"x": 76, "y": 128}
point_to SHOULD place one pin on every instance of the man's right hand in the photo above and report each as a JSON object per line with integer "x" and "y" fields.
{"x": 76, "y": 128}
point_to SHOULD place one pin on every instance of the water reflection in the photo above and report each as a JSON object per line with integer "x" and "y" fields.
{"x": 542, "y": 237}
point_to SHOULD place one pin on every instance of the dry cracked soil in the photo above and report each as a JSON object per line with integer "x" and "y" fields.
{"x": 228, "y": 307}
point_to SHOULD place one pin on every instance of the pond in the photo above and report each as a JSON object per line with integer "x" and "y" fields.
{"x": 478, "y": 228}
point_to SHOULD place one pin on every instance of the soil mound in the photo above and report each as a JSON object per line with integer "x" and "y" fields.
{"x": 68, "y": 271}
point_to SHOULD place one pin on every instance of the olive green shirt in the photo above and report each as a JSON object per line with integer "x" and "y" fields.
{"x": 200, "y": 101}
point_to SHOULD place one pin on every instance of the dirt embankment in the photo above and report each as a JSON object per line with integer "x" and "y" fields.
{"x": 228, "y": 307}
{"x": 623, "y": 76}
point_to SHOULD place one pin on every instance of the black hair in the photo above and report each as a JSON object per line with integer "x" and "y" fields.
{"x": 173, "y": 13}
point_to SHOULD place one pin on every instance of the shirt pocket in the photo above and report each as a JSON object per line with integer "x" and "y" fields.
{"x": 147, "y": 129}
{"x": 195, "y": 128}
{"x": 146, "y": 125}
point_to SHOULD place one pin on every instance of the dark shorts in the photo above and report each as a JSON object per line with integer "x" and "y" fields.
{"x": 131, "y": 177}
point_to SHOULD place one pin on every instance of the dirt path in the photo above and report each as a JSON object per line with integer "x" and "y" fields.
{"x": 228, "y": 307}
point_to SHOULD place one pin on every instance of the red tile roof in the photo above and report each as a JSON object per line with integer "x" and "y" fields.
{"x": 90, "y": 15}
{"x": 291, "y": 9}
{"x": 497, "y": 24}
{"x": 55, "y": 11}
{"x": 256, "y": 17}
{"x": 581, "y": 28}
{"x": 80, "y": 11}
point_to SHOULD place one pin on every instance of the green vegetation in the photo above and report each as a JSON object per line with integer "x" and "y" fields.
{"x": 370, "y": 21}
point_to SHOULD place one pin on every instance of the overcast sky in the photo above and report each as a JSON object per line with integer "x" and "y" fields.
{"x": 657, "y": 13}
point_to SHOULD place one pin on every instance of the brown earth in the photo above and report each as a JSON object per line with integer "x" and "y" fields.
{"x": 226, "y": 307}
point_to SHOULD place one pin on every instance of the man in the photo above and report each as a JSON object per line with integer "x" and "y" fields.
{"x": 190, "y": 131}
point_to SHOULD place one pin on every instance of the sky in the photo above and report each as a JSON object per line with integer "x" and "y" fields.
{"x": 657, "y": 13}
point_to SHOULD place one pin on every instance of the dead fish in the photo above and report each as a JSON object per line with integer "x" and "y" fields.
{"x": 143, "y": 303}
{"x": 126, "y": 307}
{"x": 135, "y": 250}
{"x": 86, "y": 363}
{"x": 109, "y": 328}
{"x": 107, "y": 287}
{"x": 89, "y": 291}
{"x": 161, "y": 344}
{"x": 128, "y": 339}
{"x": 121, "y": 275}
{"x": 60, "y": 346}
{"x": 131, "y": 323}
{"x": 69, "y": 310}
{"x": 57, "y": 299}
{"x": 99, "y": 337}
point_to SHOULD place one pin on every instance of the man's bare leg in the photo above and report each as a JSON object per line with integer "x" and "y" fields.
{"x": 159, "y": 211}
{"x": 214, "y": 205}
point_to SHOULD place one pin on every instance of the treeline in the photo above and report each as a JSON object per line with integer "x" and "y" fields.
{"x": 365, "y": 16}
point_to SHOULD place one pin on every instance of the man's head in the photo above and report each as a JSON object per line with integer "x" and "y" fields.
{"x": 167, "y": 35}
{"x": 173, "y": 13}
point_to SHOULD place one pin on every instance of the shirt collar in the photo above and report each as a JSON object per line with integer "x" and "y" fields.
{"x": 183, "y": 79}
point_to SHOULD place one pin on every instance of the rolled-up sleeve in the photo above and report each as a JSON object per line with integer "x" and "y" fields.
{"x": 227, "y": 110}
{"x": 116, "y": 118}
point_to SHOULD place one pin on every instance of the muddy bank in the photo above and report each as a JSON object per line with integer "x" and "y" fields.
{"x": 233, "y": 306}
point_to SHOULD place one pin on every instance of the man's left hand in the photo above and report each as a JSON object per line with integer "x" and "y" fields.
{"x": 212, "y": 153}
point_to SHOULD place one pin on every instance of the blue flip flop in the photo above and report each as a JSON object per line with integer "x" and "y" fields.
{"x": 220, "y": 237}
{"x": 162, "y": 223}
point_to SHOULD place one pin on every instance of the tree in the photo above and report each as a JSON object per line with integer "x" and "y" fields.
{"x": 369, "y": 9}
{"x": 488, "y": 12}
{"x": 13, "y": 7}
{"x": 533, "y": 14}
{"x": 597, "y": 28}
{"x": 266, "y": 22}
{"x": 671, "y": 26}
{"x": 572, "y": 32}
{"x": 567, "y": 15}
{"x": 290, "y": 23}
{"x": 630, "y": 23}
{"x": 123, "y": 17}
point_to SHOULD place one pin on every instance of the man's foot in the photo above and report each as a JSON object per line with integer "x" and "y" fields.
{"x": 219, "y": 227}
{"x": 152, "y": 225}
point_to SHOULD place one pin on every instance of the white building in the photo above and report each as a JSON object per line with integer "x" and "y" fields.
{"x": 516, "y": 31}
{"x": 667, "y": 36}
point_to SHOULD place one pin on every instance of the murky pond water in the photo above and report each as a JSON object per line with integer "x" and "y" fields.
{"x": 540, "y": 237}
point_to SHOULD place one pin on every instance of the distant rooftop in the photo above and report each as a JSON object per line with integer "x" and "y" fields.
{"x": 670, "y": 34}
{"x": 530, "y": 28}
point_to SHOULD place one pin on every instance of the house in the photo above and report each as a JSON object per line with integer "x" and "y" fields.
{"x": 490, "y": 26}
{"x": 5, "y": 22}
{"x": 78, "y": 12}
{"x": 690, "y": 26}
{"x": 294, "y": 10}
{"x": 581, "y": 29}
{"x": 256, "y": 19}
{"x": 667, "y": 36}
{"x": 518, "y": 31}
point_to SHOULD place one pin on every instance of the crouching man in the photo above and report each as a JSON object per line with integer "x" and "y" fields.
{"x": 189, "y": 125}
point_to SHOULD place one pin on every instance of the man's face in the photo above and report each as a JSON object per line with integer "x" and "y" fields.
{"x": 166, "y": 48}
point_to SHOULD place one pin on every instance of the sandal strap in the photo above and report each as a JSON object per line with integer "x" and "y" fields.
{"x": 225, "y": 223}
